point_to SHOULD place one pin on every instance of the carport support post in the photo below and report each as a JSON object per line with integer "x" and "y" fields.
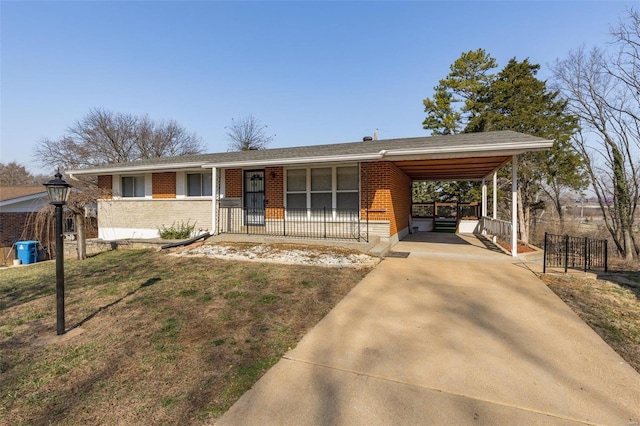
{"x": 495, "y": 200}
{"x": 484, "y": 198}
{"x": 483, "y": 213}
{"x": 514, "y": 206}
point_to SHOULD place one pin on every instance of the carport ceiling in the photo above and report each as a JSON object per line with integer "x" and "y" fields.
{"x": 473, "y": 168}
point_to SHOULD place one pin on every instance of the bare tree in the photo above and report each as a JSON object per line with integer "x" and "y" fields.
{"x": 603, "y": 91}
{"x": 105, "y": 137}
{"x": 14, "y": 174}
{"x": 247, "y": 134}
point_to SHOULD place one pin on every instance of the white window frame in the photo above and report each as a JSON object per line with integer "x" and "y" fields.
{"x": 134, "y": 177}
{"x": 334, "y": 188}
{"x": 203, "y": 177}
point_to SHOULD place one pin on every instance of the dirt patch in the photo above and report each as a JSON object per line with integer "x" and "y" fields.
{"x": 610, "y": 306}
{"x": 522, "y": 248}
{"x": 166, "y": 339}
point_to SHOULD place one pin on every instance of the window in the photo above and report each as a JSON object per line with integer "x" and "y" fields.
{"x": 347, "y": 196}
{"x": 199, "y": 184}
{"x": 323, "y": 187}
{"x": 133, "y": 186}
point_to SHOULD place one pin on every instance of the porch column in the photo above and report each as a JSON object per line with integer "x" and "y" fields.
{"x": 483, "y": 213}
{"x": 495, "y": 201}
{"x": 484, "y": 198}
{"x": 214, "y": 201}
{"x": 495, "y": 195}
{"x": 514, "y": 206}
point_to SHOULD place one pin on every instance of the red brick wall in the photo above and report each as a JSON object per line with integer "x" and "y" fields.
{"x": 12, "y": 227}
{"x": 400, "y": 199}
{"x": 163, "y": 185}
{"x": 233, "y": 183}
{"x": 388, "y": 196}
{"x": 105, "y": 184}
{"x": 274, "y": 192}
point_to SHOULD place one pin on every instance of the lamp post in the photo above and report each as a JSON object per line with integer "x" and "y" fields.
{"x": 58, "y": 191}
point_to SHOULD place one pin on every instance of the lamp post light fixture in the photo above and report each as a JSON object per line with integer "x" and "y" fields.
{"x": 58, "y": 191}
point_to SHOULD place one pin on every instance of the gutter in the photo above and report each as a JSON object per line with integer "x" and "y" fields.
{"x": 144, "y": 168}
{"x": 473, "y": 148}
{"x": 301, "y": 160}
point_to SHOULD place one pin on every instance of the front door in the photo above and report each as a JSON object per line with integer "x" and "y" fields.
{"x": 254, "y": 201}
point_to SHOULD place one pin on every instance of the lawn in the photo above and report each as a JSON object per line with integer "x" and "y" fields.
{"x": 609, "y": 304}
{"x": 161, "y": 339}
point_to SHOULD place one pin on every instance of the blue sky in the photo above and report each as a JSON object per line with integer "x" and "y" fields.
{"x": 314, "y": 72}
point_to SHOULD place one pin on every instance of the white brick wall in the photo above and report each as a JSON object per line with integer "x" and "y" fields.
{"x": 142, "y": 218}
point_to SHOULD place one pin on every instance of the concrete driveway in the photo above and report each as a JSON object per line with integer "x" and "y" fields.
{"x": 452, "y": 334}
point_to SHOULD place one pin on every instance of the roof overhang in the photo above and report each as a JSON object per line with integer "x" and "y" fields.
{"x": 23, "y": 199}
{"x": 468, "y": 161}
{"x": 132, "y": 169}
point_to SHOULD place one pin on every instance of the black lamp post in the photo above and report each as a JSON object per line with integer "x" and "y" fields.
{"x": 59, "y": 190}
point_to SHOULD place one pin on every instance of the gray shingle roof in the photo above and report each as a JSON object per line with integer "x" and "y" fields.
{"x": 488, "y": 141}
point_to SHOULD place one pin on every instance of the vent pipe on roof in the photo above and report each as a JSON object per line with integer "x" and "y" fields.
{"x": 367, "y": 139}
{"x": 375, "y": 135}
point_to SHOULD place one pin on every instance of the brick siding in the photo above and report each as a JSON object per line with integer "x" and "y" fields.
{"x": 105, "y": 184}
{"x": 233, "y": 183}
{"x": 388, "y": 195}
{"x": 12, "y": 226}
{"x": 274, "y": 192}
{"x": 163, "y": 185}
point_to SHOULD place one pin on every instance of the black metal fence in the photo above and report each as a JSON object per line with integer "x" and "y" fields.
{"x": 564, "y": 251}
{"x": 324, "y": 223}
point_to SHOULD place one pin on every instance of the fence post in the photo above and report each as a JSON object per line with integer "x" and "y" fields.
{"x": 566, "y": 252}
{"x": 324, "y": 220}
{"x": 284, "y": 222}
{"x": 586, "y": 244}
{"x": 606, "y": 249}
{"x": 544, "y": 255}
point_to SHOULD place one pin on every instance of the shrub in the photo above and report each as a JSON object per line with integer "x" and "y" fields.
{"x": 178, "y": 231}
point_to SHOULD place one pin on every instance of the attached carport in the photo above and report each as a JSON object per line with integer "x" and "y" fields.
{"x": 471, "y": 165}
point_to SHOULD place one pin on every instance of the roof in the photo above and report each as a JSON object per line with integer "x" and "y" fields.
{"x": 15, "y": 192}
{"x": 496, "y": 148}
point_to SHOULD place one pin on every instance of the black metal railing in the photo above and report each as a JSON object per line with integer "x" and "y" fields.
{"x": 451, "y": 210}
{"x": 564, "y": 251}
{"x": 324, "y": 223}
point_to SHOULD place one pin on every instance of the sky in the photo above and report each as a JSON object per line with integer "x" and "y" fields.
{"x": 313, "y": 72}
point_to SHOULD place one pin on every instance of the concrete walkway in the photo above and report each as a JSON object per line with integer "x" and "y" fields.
{"x": 453, "y": 334}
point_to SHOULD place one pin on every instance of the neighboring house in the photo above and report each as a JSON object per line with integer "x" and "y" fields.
{"x": 358, "y": 190}
{"x": 16, "y": 204}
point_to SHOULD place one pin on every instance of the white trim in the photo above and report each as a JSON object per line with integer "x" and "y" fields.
{"x": 302, "y": 160}
{"x": 16, "y": 200}
{"x": 133, "y": 169}
{"x": 474, "y": 148}
{"x": 514, "y": 206}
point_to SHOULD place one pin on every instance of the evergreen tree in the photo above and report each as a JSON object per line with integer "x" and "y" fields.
{"x": 513, "y": 99}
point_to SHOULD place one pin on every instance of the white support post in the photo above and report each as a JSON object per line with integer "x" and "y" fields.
{"x": 495, "y": 195}
{"x": 484, "y": 198}
{"x": 483, "y": 213}
{"x": 514, "y": 206}
{"x": 495, "y": 201}
{"x": 214, "y": 201}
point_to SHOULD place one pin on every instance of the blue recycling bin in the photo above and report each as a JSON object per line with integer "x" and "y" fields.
{"x": 27, "y": 251}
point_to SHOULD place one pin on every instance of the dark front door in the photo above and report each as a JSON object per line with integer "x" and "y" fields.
{"x": 254, "y": 201}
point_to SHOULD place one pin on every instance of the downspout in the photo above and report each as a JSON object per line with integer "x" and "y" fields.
{"x": 514, "y": 206}
{"x": 214, "y": 201}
